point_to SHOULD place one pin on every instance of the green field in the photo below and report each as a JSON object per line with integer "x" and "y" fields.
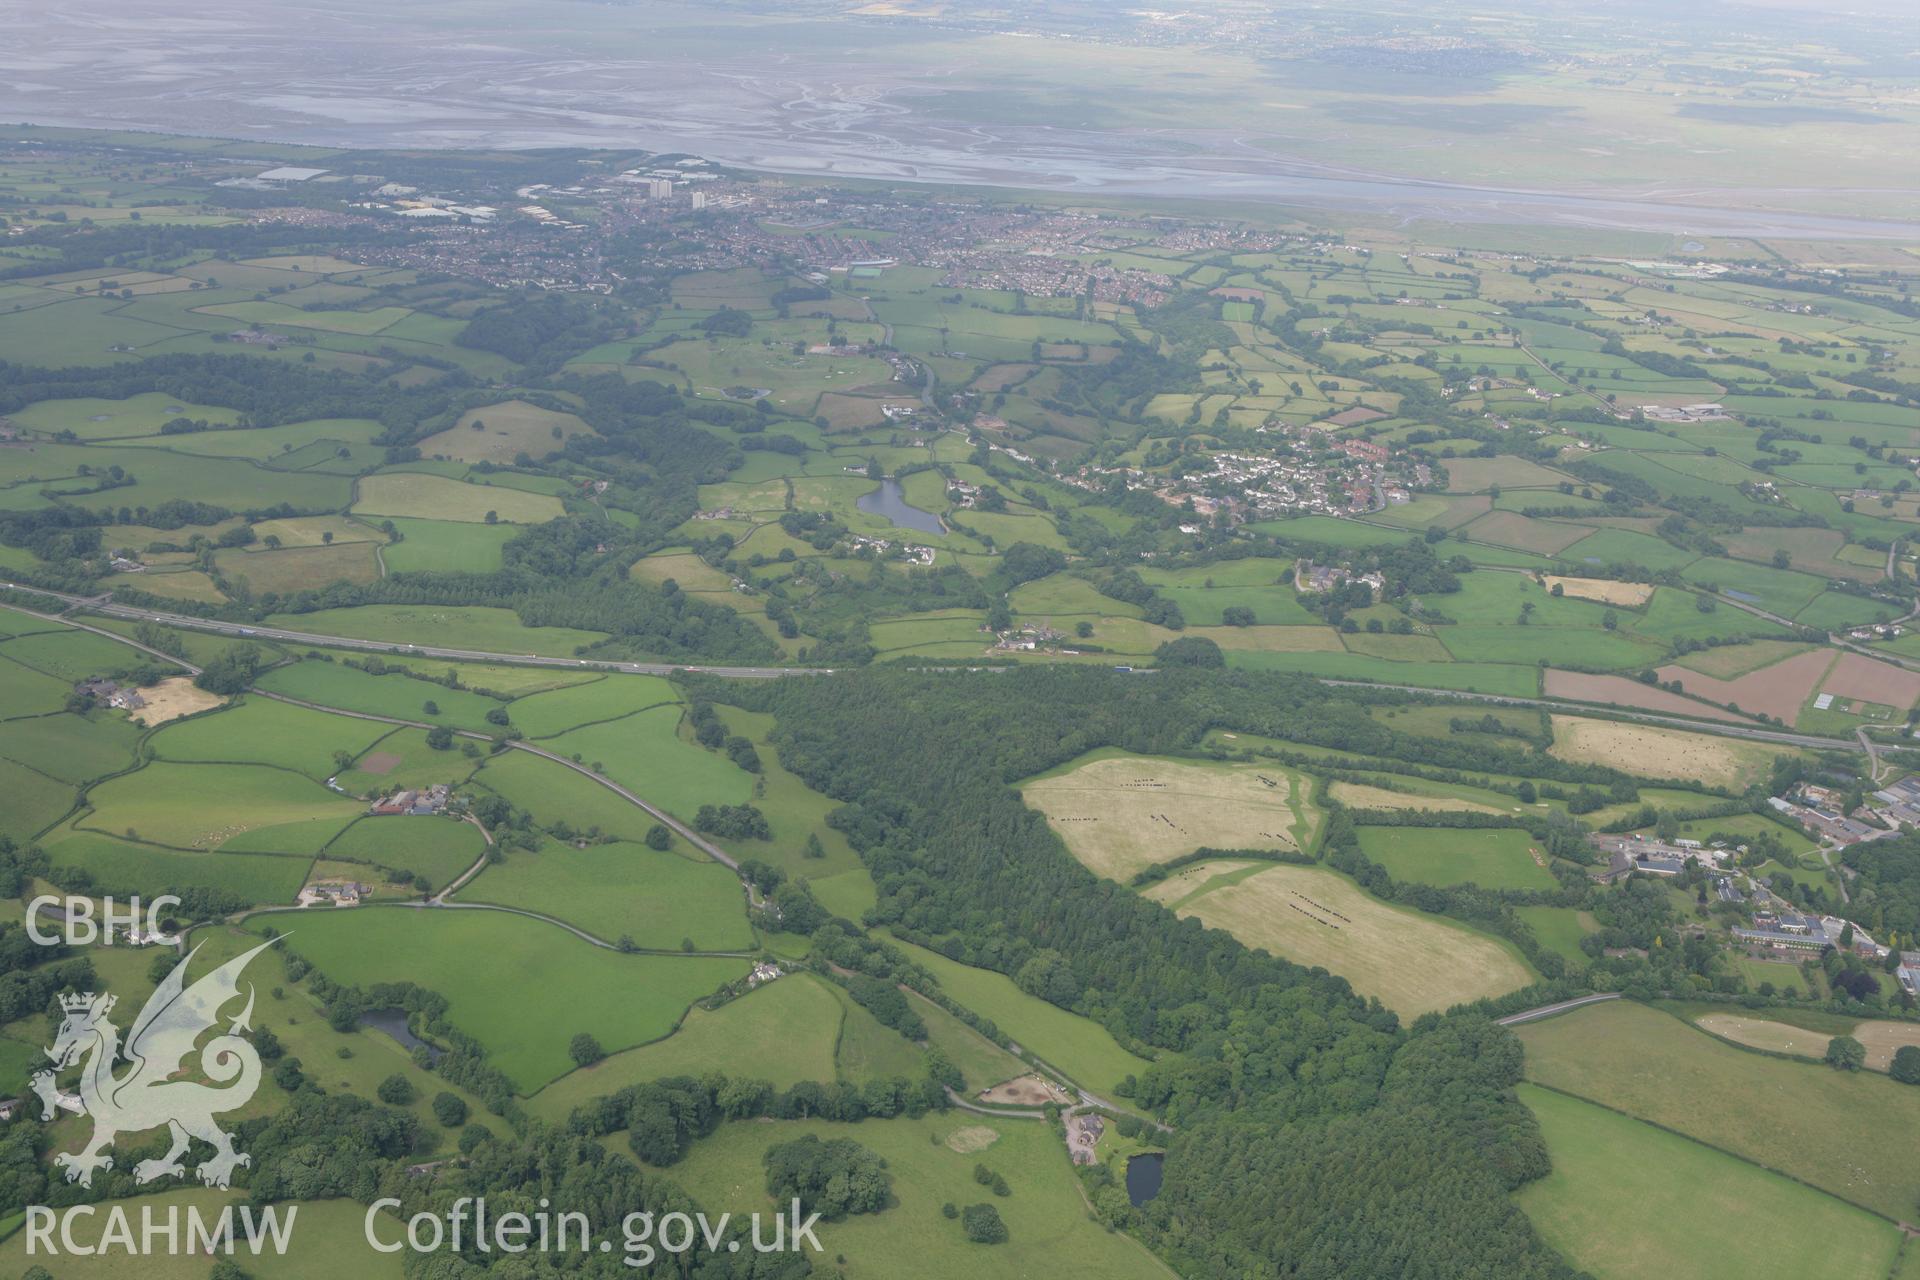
{"x": 623, "y": 890}
{"x": 542, "y": 715}
{"x": 784, "y": 1032}
{"x": 1086, "y": 1051}
{"x": 645, "y": 753}
{"x": 126, "y": 867}
{"x": 334, "y": 684}
{"x": 201, "y": 806}
{"x": 1740, "y": 1220}
{"x": 1050, "y": 1234}
{"x": 34, "y": 800}
{"x": 92, "y": 418}
{"x": 1447, "y": 855}
{"x": 490, "y": 629}
{"x": 500, "y": 432}
{"x": 554, "y": 793}
{"x": 69, "y": 655}
{"x": 438, "y": 848}
{"x": 72, "y": 748}
{"x": 258, "y": 730}
{"x": 1559, "y": 929}
{"x": 403, "y": 759}
{"x": 1844, "y": 1132}
{"x": 25, "y": 691}
{"x": 446, "y": 546}
{"x": 522, "y": 987}
{"x": 430, "y": 497}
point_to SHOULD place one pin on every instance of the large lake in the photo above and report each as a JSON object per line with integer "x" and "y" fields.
{"x": 890, "y": 500}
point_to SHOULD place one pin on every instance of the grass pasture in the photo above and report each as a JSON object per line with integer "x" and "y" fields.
{"x": 645, "y": 753}
{"x": 1492, "y": 859}
{"x": 431, "y": 497}
{"x": 446, "y": 546}
{"x": 205, "y": 806}
{"x": 124, "y": 867}
{"x": 438, "y": 848}
{"x": 1121, "y": 814}
{"x": 1880, "y": 1036}
{"x": 335, "y": 684}
{"x": 403, "y": 759}
{"x": 552, "y": 792}
{"x": 1051, "y": 1236}
{"x": 783, "y": 1032}
{"x": 498, "y": 433}
{"x": 542, "y": 715}
{"x": 522, "y": 987}
{"x": 71, "y": 748}
{"x": 623, "y": 890}
{"x": 1083, "y": 1049}
{"x": 257, "y": 730}
{"x": 34, "y": 800}
{"x": 1741, "y": 1221}
{"x": 1414, "y": 963}
{"x": 294, "y": 569}
{"x": 1847, "y": 1133}
{"x": 482, "y": 626}
{"x": 1560, "y": 929}
{"x": 69, "y": 655}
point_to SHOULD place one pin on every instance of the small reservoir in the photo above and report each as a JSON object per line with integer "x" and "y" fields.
{"x": 394, "y": 1023}
{"x": 1144, "y": 1172}
{"x": 890, "y": 500}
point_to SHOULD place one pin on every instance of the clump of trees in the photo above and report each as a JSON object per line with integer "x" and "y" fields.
{"x": 832, "y": 1178}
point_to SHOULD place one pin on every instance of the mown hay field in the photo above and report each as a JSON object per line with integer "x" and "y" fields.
{"x": 1414, "y": 963}
{"x": 1122, "y": 814}
{"x": 1881, "y": 1037}
{"x": 1662, "y": 753}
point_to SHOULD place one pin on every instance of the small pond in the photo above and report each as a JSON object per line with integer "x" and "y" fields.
{"x": 1143, "y": 1177}
{"x": 394, "y": 1023}
{"x": 890, "y": 500}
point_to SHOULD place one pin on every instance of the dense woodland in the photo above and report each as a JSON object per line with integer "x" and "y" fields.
{"x": 1303, "y": 1111}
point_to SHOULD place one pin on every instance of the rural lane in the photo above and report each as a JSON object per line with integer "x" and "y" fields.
{"x": 1548, "y": 1010}
{"x": 667, "y": 820}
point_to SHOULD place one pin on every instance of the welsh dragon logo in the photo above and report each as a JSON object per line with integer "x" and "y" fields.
{"x": 164, "y": 1037}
